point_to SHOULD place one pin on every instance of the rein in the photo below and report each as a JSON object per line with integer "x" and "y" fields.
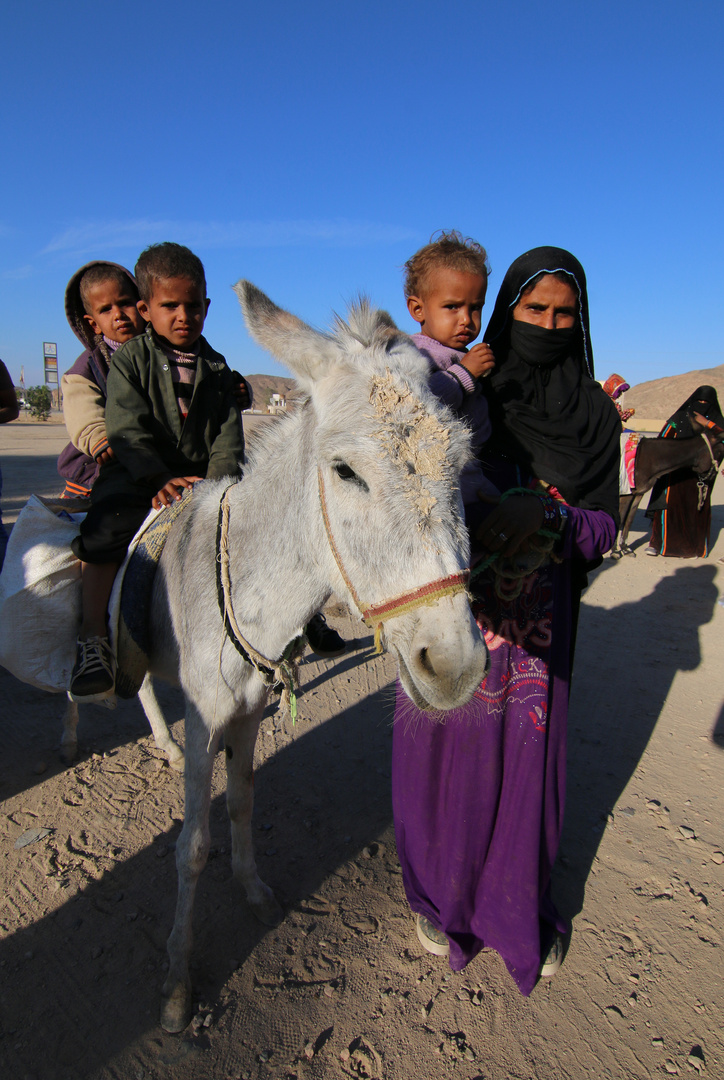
{"x": 705, "y": 481}
{"x": 711, "y": 452}
{"x": 374, "y": 615}
{"x": 282, "y": 670}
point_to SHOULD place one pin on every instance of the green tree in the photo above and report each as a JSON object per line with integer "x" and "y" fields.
{"x": 40, "y": 401}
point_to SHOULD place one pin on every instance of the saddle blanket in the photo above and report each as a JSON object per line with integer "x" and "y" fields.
{"x": 40, "y": 597}
{"x": 629, "y": 444}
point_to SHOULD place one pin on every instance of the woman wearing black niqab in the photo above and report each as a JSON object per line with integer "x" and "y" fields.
{"x": 478, "y": 800}
{"x": 549, "y": 414}
{"x": 679, "y": 507}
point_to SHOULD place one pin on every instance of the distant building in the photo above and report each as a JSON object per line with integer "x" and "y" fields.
{"x": 277, "y": 403}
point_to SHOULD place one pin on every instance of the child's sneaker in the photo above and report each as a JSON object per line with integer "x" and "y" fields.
{"x": 323, "y": 640}
{"x": 94, "y": 673}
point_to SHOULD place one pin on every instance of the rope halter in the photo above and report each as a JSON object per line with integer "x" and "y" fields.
{"x": 283, "y": 670}
{"x": 374, "y": 615}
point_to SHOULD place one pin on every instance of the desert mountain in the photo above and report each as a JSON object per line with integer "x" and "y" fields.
{"x": 266, "y": 385}
{"x": 658, "y": 399}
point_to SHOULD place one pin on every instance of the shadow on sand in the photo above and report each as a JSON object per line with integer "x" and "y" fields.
{"x": 626, "y": 661}
{"x": 328, "y": 793}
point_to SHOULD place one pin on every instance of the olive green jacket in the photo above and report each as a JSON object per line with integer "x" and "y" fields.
{"x": 143, "y": 422}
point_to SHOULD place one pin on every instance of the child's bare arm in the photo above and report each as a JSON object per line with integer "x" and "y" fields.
{"x": 173, "y": 489}
{"x": 479, "y": 360}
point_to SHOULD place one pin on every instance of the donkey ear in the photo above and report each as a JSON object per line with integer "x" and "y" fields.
{"x": 306, "y": 352}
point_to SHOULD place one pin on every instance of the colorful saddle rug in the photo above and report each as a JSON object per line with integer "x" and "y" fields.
{"x": 629, "y": 444}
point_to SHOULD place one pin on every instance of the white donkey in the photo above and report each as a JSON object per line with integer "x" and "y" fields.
{"x": 356, "y": 492}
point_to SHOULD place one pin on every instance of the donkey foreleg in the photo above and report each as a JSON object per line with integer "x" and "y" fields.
{"x": 164, "y": 739}
{"x": 69, "y": 740}
{"x": 192, "y": 850}
{"x": 627, "y": 520}
{"x": 239, "y": 740}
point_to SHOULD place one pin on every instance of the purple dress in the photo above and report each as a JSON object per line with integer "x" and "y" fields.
{"x": 478, "y": 796}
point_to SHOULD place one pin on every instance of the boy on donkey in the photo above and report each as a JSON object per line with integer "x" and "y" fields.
{"x": 100, "y": 305}
{"x": 171, "y": 419}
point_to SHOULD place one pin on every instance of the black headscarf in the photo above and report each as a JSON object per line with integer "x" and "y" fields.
{"x": 704, "y": 401}
{"x": 548, "y": 412}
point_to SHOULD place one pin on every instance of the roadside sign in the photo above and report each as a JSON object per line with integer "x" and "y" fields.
{"x": 50, "y": 362}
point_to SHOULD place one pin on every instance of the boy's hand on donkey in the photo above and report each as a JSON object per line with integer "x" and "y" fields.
{"x": 479, "y": 360}
{"x": 173, "y": 489}
{"x": 105, "y": 457}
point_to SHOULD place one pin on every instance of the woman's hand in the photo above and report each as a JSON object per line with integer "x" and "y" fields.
{"x": 508, "y": 526}
{"x": 173, "y": 489}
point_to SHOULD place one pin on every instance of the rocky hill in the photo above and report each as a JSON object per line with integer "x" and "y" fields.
{"x": 658, "y": 399}
{"x": 265, "y": 385}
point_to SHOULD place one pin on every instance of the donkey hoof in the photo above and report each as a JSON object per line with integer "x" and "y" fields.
{"x": 616, "y": 554}
{"x": 68, "y": 753}
{"x": 177, "y": 762}
{"x": 176, "y": 1008}
{"x": 266, "y": 908}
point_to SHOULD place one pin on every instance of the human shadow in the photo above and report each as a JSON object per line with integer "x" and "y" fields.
{"x": 626, "y": 660}
{"x": 320, "y": 801}
{"x": 717, "y": 735}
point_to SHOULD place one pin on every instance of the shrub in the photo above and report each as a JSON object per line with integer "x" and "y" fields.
{"x": 40, "y": 401}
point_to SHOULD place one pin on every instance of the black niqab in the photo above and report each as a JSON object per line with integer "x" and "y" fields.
{"x": 704, "y": 401}
{"x": 548, "y": 412}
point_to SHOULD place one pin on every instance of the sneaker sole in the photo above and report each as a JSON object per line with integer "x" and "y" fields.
{"x": 103, "y": 698}
{"x": 549, "y": 970}
{"x": 429, "y": 945}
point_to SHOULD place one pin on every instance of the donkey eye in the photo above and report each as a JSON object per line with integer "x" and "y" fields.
{"x": 344, "y": 472}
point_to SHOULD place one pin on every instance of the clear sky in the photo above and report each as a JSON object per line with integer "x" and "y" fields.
{"x": 312, "y": 147}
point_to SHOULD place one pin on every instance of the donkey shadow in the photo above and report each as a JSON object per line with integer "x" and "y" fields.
{"x": 626, "y": 661}
{"x": 32, "y": 747}
{"x": 310, "y": 820}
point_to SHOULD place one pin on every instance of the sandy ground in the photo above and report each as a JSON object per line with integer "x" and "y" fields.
{"x": 342, "y": 987}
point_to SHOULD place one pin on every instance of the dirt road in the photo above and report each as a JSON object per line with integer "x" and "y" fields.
{"x": 342, "y": 987}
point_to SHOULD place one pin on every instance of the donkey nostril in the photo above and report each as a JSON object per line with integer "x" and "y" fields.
{"x": 425, "y": 662}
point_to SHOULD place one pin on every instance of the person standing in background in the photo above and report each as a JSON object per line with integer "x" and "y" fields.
{"x": 9, "y": 410}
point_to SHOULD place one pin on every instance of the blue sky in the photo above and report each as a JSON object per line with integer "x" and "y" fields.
{"x": 313, "y": 147}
